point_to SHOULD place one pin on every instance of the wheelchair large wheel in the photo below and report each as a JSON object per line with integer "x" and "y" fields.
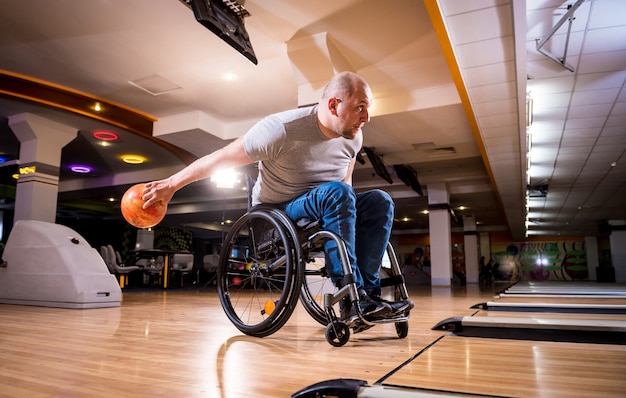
{"x": 259, "y": 273}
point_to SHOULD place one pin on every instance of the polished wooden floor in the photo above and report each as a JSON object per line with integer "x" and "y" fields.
{"x": 179, "y": 343}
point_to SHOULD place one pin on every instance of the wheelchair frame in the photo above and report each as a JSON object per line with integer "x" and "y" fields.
{"x": 262, "y": 274}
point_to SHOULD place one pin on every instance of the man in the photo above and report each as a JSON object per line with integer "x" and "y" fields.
{"x": 306, "y": 157}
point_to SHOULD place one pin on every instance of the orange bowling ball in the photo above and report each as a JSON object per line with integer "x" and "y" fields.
{"x": 133, "y": 213}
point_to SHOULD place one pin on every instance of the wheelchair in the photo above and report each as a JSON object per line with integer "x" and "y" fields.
{"x": 268, "y": 263}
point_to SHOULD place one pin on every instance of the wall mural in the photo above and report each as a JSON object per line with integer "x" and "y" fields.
{"x": 539, "y": 261}
{"x": 515, "y": 261}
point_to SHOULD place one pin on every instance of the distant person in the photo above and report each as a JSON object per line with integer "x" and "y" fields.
{"x": 306, "y": 157}
{"x": 486, "y": 272}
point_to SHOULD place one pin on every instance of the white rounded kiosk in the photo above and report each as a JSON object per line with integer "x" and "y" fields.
{"x": 46, "y": 264}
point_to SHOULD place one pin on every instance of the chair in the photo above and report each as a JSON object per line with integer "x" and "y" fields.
{"x": 115, "y": 266}
{"x": 182, "y": 264}
{"x": 152, "y": 269}
{"x": 210, "y": 263}
{"x": 107, "y": 260}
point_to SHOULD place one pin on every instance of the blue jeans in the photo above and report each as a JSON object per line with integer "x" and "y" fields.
{"x": 362, "y": 220}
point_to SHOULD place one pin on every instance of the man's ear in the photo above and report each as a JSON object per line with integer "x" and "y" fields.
{"x": 333, "y": 103}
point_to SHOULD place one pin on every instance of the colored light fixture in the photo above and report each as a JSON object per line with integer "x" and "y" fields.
{"x": 105, "y": 136}
{"x": 80, "y": 169}
{"x": 28, "y": 169}
{"x": 133, "y": 159}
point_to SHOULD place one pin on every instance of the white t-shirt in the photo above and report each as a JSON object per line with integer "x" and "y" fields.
{"x": 294, "y": 156}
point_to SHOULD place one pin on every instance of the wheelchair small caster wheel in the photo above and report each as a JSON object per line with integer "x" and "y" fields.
{"x": 337, "y": 333}
{"x": 402, "y": 329}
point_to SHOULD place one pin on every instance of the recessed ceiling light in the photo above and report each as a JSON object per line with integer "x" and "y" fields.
{"x": 133, "y": 159}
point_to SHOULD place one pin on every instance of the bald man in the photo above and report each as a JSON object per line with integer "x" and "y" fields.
{"x": 306, "y": 157}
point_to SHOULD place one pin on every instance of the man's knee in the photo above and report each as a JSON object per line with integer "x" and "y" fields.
{"x": 379, "y": 199}
{"x": 382, "y": 197}
{"x": 340, "y": 191}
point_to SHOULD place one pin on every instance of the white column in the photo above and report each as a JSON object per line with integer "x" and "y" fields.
{"x": 440, "y": 234}
{"x": 41, "y": 142}
{"x": 470, "y": 236}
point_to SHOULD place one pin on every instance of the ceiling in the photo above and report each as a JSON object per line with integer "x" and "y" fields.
{"x": 450, "y": 81}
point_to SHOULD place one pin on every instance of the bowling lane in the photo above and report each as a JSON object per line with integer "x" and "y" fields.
{"x": 552, "y": 297}
{"x": 552, "y": 307}
{"x": 555, "y": 315}
{"x": 515, "y": 368}
{"x": 593, "y": 324}
{"x": 562, "y": 299}
{"x": 564, "y": 289}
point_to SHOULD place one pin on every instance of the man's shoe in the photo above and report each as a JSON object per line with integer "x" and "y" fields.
{"x": 397, "y": 307}
{"x": 369, "y": 308}
{"x": 372, "y": 309}
{"x": 349, "y": 316}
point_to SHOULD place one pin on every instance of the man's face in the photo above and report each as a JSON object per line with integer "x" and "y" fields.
{"x": 352, "y": 113}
